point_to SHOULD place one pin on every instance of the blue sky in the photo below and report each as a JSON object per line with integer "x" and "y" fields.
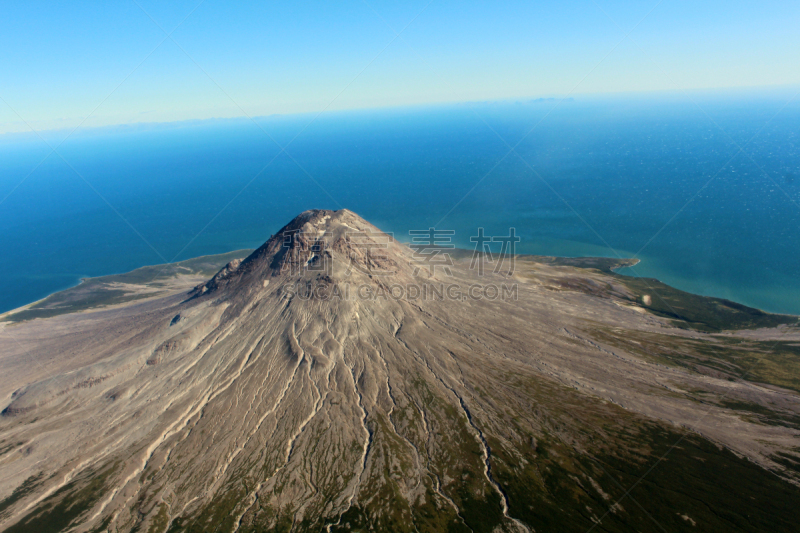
{"x": 62, "y": 62}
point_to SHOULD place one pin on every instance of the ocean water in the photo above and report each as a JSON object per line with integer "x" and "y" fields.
{"x": 662, "y": 178}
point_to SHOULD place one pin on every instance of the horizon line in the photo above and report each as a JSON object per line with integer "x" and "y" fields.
{"x": 4, "y": 136}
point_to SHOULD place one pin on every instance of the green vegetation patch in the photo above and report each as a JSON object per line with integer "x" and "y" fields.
{"x": 697, "y": 486}
{"x": 160, "y": 520}
{"x": 789, "y": 461}
{"x": 62, "y": 509}
{"x": 6, "y": 446}
{"x": 771, "y": 362}
{"x": 763, "y": 414}
{"x": 684, "y": 309}
{"x": 461, "y": 462}
{"x": 603, "y": 264}
{"x": 27, "y": 486}
{"x": 715, "y": 489}
{"x": 701, "y": 313}
{"x": 217, "y": 515}
{"x": 576, "y": 463}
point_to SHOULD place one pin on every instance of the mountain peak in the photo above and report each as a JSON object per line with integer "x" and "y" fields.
{"x": 336, "y": 244}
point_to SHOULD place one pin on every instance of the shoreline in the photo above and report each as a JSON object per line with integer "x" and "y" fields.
{"x": 636, "y": 261}
{"x": 111, "y": 278}
{"x": 208, "y": 265}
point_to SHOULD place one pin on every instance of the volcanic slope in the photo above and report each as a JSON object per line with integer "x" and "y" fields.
{"x": 328, "y": 383}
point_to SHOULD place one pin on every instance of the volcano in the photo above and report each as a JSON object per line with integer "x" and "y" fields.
{"x": 336, "y": 379}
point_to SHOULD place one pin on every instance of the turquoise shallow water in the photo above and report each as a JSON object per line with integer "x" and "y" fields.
{"x": 606, "y": 177}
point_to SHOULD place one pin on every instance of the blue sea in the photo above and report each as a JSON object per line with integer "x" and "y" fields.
{"x": 661, "y": 176}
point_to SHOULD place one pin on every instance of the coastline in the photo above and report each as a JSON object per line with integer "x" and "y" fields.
{"x": 111, "y": 289}
{"x": 633, "y": 264}
{"x": 697, "y": 311}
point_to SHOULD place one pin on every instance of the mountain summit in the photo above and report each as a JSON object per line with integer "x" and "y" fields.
{"x": 335, "y": 244}
{"x": 338, "y": 380}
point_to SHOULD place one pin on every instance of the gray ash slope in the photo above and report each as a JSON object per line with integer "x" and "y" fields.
{"x": 260, "y": 402}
